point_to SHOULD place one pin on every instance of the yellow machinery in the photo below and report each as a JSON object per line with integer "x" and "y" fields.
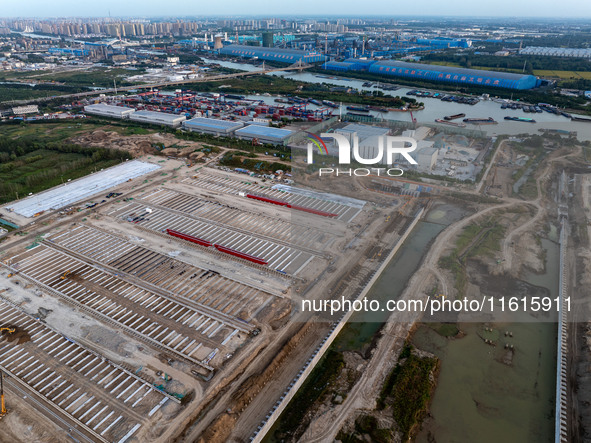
{"x": 63, "y": 277}
{"x": 3, "y": 410}
{"x": 9, "y": 330}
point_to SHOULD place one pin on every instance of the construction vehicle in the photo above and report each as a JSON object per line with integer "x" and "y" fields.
{"x": 9, "y": 330}
{"x": 3, "y": 410}
{"x": 63, "y": 277}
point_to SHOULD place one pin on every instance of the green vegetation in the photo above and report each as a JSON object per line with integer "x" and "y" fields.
{"x": 367, "y": 426}
{"x": 98, "y": 76}
{"x": 410, "y": 391}
{"x": 238, "y": 160}
{"x": 444, "y": 329}
{"x": 406, "y": 393}
{"x": 476, "y": 240}
{"x": 54, "y": 130}
{"x": 532, "y": 146}
{"x": 16, "y": 91}
{"x": 29, "y": 165}
{"x": 316, "y": 387}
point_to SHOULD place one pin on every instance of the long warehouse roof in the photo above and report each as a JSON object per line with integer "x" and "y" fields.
{"x": 158, "y": 115}
{"x": 262, "y": 49}
{"x": 76, "y": 190}
{"x": 105, "y": 107}
{"x": 452, "y": 70}
{"x": 213, "y": 123}
{"x": 264, "y": 131}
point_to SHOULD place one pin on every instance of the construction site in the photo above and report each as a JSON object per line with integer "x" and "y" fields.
{"x": 133, "y": 298}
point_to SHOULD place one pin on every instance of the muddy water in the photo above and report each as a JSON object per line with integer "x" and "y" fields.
{"x": 488, "y": 394}
{"x": 362, "y": 326}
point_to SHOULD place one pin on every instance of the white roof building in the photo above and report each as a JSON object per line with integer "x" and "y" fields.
{"x": 158, "y": 118}
{"x": 105, "y": 110}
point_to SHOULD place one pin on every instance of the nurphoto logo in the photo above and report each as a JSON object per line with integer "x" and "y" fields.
{"x": 387, "y": 151}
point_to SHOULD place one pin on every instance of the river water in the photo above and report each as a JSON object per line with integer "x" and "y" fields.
{"x": 479, "y": 397}
{"x": 436, "y": 109}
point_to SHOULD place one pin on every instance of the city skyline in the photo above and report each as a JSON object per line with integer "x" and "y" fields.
{"x": 460, "y": 8}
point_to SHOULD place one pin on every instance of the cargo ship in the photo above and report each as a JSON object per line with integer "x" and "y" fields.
{"x": 520, "y": 119}
{"x": 357, "y": 109}
{"x": 453, "y": 117}
{"x": 447, "y": 122}
{"x": 481, "y": 121}
{"x": 329, "y": 104}
{"x": 580, "y": 119}
{"x": 357, "y": 114}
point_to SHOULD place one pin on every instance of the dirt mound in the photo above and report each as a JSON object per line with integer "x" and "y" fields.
{"x": 138, "y": 145}
{"x": 170, "y": 152}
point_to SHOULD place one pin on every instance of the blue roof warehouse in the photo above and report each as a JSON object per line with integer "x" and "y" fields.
{"x": 273, "y": 54}
{"x": 445, "y": 74}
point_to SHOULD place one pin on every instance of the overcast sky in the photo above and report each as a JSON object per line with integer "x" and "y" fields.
{"x": 147, "y": 8}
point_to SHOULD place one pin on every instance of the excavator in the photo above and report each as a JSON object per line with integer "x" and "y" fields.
{"x": 9, "y": 330}
{"x": 63, "y": 277}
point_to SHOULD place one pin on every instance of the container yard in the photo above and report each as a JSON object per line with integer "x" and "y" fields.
{"x": 227, "y": 115}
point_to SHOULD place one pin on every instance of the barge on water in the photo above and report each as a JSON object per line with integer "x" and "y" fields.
{"x": 329, "y": 104}
{"x": 446, "y": 122}
{"x": 453, "y": 117}
{"x": 580, "y": 119}
{"x": 520, "y": 119}
{"x": 357, "y": 108}
{"x": 481, "y": 121}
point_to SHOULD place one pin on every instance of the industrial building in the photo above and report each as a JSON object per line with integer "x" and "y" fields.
{"x": 273, "y": 54}
{"x": 264, "y": 134}
{"x": 26, "y": 109}
{"x": 76, "y": 190}
{"x": 426, "y": 158}
{"x": 556, "y": 52}
{"x": 367, "y": 137}
{"x": 212, "y": 126}
{"x": 158, "y": 118}
{"x": 105, "y": 110}
{"x": 341, "y": 66}
{"x": 449, "y": 74}
{"x": 437, "y": 73}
